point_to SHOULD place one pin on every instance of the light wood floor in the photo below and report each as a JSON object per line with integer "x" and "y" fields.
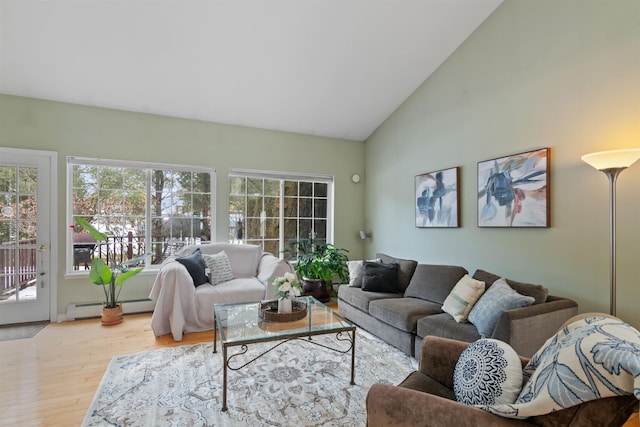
{"x": 50, "y": 379}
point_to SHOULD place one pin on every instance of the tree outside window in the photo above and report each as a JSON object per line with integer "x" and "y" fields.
{"x": 148, "y": 209}
{"x": 275, "y": 212}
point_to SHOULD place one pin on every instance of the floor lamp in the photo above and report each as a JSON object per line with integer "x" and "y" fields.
{"x": 611, "y": 163}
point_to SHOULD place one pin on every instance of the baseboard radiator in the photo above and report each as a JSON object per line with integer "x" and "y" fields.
{"x": 88, "y": 310}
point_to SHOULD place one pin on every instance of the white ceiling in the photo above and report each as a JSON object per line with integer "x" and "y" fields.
{"x": 334, "y": 68}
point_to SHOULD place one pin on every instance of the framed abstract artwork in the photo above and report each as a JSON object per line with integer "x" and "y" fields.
{"x": 437, "y": 199}
{"x": 513, "y": 191}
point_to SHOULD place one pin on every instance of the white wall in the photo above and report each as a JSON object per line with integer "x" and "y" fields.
{"x": 72, "y": 130}
{"x": 559, "y": 74}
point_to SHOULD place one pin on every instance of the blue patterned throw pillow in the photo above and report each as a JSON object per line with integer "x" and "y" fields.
{"x": 488, "y": 372}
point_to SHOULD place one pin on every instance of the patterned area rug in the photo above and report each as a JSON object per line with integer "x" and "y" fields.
{"x": 297, "y": 383}
{"x": 20, "y": 332}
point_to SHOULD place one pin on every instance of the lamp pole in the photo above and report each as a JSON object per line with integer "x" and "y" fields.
{"x": 612, "y": 174}
{"x": 611, "y": 163}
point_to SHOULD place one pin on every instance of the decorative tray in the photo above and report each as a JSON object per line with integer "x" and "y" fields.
{"x": 269, "y": 311}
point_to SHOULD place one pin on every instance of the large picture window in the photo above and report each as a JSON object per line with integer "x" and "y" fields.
{"x": 149, "y": 210}
{"x": 275, "y": 210}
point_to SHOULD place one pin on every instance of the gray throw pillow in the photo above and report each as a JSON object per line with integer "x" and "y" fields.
{"x": 219, "y": 267}
{"x": 406, "y": 267}
{"x": 379, "y": 277}
{"x": 498, "y": 298}
{"x": 355, "y": 272}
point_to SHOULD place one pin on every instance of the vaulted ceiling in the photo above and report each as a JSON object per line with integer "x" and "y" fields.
{"x": 334, "y": 68}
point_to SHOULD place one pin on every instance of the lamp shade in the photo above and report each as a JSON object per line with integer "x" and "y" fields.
{"x": 612, "y": 159}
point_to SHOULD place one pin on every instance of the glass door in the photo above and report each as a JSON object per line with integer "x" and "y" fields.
{"x": 26, "y": 212}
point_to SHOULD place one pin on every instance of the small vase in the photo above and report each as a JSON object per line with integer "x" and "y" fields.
{"x": 284, "y": 305}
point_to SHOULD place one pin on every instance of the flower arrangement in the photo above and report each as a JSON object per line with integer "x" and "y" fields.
{"x": 287, "y": 286}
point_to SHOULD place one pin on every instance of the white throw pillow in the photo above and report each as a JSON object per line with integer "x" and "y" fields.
{"x": 488, "y": 372}
{"x": 355, "y": 271}
{"x": 462, "y": 297}
{"x": 219, "y": 267}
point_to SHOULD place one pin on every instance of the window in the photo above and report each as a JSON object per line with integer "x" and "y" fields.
{"x": 275, "y": 210}
{"x": 149, "y": 210}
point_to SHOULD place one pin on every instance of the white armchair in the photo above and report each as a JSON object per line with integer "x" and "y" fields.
{"x": 182, "y": 307}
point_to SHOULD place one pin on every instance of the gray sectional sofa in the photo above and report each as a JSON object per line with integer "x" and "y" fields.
{"x": 404, "y": 316}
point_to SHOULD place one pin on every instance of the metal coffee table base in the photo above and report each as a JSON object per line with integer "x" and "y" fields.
{"x": 348, "y": 336}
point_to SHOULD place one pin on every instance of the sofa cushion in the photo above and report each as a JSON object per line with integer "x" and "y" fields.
{"x": 219, "y": 267}
{"x": 498, "y": 298}
{"x": 434, "y": 282}
{"x": 402, "y": 313}
{"x": 406, "y": 267}
{"x": 379, "y": 277}
{"x": 539, "y": 292}
{"x": 195, "y": 266}
{"x": 463, "y": 297}
{"x": 488, "y": 372}
{"x": 443, "y": 325}
{"x": 360, "y": 299}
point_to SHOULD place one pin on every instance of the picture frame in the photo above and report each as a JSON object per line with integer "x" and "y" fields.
{"x": 437, "y": 199}
{"x": 513, "y": 191}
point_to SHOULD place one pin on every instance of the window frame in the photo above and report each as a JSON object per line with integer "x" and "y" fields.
{"x": 144, "y": 166}
{"x": 289, "y": 176}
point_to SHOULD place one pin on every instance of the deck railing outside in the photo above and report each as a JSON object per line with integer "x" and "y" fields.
{"x": 17, "y": 268}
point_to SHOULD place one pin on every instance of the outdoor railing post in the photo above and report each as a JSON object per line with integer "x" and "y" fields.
{"x": 130, "y": 245}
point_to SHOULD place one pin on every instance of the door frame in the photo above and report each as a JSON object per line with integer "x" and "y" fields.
{"x": 52, "y": 238}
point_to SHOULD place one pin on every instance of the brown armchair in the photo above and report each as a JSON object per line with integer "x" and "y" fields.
{"x": 426, "y": 398}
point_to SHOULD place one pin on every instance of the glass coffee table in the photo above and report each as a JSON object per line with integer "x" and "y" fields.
{"x": 243, "y": 324}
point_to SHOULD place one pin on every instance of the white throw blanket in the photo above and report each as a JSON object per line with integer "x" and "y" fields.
{"x": 589, "y": 359}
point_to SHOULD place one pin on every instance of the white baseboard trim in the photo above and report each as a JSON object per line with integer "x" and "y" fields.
{"x": 88, "y": 310}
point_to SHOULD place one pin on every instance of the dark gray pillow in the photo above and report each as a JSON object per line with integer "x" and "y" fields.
{"x": 379, "y": 277}
{"x": 434, "y": 282}
{"x": 195, "y": 266}
{"x": 406, "y": 267}
{"x": 538, "y": 292}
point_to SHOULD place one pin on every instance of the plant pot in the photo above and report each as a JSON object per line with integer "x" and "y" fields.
{"x": 317, "y": 288}
{"x": 112, "y": 316}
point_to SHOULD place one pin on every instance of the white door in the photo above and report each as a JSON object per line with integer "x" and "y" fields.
{"x": 27, "y": 212}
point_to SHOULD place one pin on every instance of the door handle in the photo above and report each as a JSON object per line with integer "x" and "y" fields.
{"x": 42, "y": 249}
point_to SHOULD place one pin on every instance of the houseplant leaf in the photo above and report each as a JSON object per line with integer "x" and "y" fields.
{"x": 125, "y": 274}
{"x": 101, "y": 237}
{"x": 100, "y": 273}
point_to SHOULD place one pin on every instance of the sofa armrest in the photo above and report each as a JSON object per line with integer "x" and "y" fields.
{"x": 401, "y": 407}
{"x": 527, "y": 329}
{"x": 174, "y": 295}
{"x": 438, "y": 358}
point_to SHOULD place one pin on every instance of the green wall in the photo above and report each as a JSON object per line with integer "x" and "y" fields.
{"x": 559, "y": 74}
{"x": 72, "y": 130}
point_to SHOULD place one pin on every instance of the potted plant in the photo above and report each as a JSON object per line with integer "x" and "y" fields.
{"x": 111, "y": 278}
{"x": 317, "y": 265}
